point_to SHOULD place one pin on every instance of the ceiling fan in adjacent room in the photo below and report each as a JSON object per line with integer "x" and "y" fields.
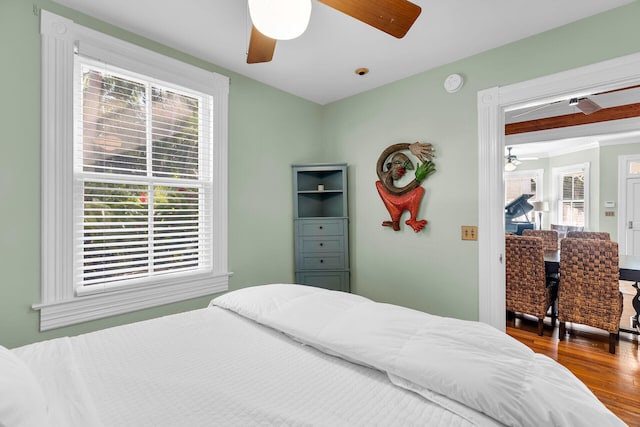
{"x": 287, "y": 19}
{"x": 511, "y": 161}
{"x": 585, "y": 104}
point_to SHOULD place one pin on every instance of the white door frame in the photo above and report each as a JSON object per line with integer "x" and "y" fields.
{"x": 623, "y": 179}
{"x": 492, "y": 104}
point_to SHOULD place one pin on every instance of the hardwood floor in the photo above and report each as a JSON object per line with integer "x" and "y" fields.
{"x": 613, "y": 378}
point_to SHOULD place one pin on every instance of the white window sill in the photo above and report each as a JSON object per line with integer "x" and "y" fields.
{"x": 91, "y": 307}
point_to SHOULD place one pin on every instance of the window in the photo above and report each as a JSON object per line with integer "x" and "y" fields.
{"x": 572, "y": 190}
{"x": 633, "y": 167}
{"x": 134, "y": 177}
{"x": 522, "y": 182}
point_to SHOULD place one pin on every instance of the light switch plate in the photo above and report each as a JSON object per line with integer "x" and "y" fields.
{"x": 469, "y": 232}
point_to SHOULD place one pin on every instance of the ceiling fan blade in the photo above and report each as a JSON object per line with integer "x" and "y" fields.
{"x": 261, "y": 47}
{"x": 394, "y": 17}
{"x": 587, "y": 106}
{"x": 532, "y": 110}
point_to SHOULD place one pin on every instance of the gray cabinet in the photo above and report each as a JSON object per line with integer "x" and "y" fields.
{"x": 321, "y": 225}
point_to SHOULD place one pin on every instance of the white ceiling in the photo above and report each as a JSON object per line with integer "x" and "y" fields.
{"x": 319, "y": 65}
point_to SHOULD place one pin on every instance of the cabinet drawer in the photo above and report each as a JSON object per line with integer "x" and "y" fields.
{"x": 321, "y": 227}
{"x": 315, "y": 261}
{"x": 320, "y": 244}
{"x": 335, "y": 280}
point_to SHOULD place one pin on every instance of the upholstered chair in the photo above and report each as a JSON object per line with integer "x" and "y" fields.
{"x": 561, "y": 229}
{"x": 600, "y": 235}
{"x": 549, "y": 238}
{"x": 589, "y": 293}
{"x": 564, "y": 229}
{"x": 526, "y": 286}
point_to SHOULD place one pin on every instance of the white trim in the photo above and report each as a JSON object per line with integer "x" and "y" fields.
{"x": 623, "y": 179}
{"x": 91, "y": 307}
{"x": 556, "y": 185}
{"x": 491, "y": 301}
{"x": 492, "y": 103}
{"x": 57, "y": 95}
{"x": 59, "y": 304}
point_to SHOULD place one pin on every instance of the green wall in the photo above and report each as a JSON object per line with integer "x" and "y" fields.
{"x": 436, "y": 271}
{"x": 268, "y": 131}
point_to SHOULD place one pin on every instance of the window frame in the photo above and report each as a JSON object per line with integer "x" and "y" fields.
{"x": 558, "y": 173}
{"x": 538, "y": 174}
{"x": 60, "y": 303}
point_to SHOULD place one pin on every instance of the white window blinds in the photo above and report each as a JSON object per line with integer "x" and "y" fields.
{"x": 572, "y": 201}
{"x": 134, "y": 177}
{"x": 142, "y": 178}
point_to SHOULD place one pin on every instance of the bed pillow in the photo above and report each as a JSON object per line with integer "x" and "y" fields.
{"x": 23, "y": 403}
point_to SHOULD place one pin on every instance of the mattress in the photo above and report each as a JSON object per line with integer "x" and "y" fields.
{"x": 276, "y": 355}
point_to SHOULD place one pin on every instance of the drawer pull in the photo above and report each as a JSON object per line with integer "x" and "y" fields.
{"x": 321, "y": 261}
{"x": 321, "y": 244}
{"x": 320, "y": 227}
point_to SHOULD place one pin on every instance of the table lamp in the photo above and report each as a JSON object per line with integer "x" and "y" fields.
{"x": 540, "y": 207}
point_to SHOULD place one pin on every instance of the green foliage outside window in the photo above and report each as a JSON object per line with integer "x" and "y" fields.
{"x": 129, "y": 227}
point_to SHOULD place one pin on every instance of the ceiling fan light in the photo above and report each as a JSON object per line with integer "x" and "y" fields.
{"x": 280, "y": 19}
{"x": 509, "y": 166}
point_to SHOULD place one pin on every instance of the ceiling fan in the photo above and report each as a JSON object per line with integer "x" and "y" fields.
{"x": 584, "y": 104}
{"x": 394, "y": 17}
{"x": 511, "y": 161}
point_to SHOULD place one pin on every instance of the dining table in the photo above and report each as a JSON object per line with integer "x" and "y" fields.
{"x": 629, "y": 266}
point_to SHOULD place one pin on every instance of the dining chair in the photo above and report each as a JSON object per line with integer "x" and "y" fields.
{"x": 549, "y": 238}
{"x": 561, "y": 229}
{"x": 526, "y": 285}
{"x": 600, "y": 235}
{"x": 550, "y": 242}
{"x": 564, "y": 229}
{"x": 589, "y": 293}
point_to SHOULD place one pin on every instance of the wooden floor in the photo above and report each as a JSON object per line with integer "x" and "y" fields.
{"x": 613, "y": 378}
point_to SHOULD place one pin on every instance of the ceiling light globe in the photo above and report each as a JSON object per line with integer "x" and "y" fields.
{"x": 509, "y": 167}
{"x": 280, "y": 19}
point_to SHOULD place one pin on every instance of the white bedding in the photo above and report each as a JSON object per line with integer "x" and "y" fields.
{"x": 468, "y": 362}
{"x": 214, "y": 367}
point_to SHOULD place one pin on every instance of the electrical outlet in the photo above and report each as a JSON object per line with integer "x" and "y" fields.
{"x": 469, "y": 232}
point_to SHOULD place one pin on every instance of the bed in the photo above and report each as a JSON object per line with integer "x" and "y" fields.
{"x": 292, "y": 355}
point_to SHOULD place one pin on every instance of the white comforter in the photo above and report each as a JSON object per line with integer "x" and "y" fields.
{"x": 440, "y": 358}
{"x": 232, "y": 365}
{"x": 212, "y": 367}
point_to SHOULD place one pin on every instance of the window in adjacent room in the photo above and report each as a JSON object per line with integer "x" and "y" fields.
{"x": 571, "y": 187}
{"x": 134, "y": 177}
{"x": 522, "y": 182}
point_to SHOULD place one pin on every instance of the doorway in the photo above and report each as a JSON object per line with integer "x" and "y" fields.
{"x": 492, "y": 105}
{"x": 629, "y": 204}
